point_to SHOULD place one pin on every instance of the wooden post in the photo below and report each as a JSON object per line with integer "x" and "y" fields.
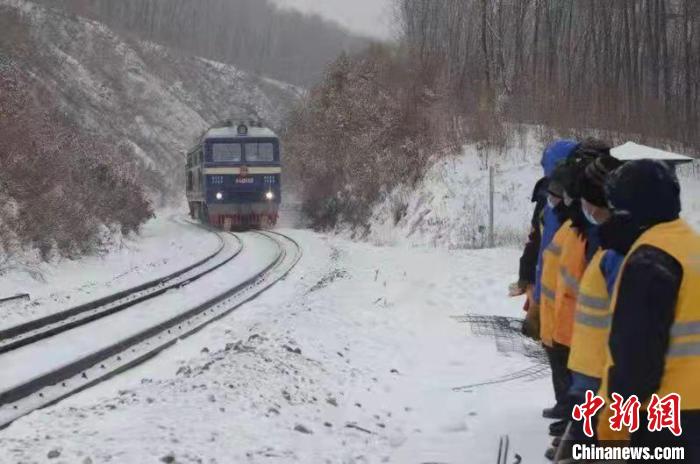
{"x": 492, "y": 239}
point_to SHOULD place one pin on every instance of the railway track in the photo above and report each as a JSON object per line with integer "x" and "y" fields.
{"x": 130, "y": 346}
{"x": 33, "y": 331}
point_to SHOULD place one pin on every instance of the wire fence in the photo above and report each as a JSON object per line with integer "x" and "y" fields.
{"x": 507, "y": 335}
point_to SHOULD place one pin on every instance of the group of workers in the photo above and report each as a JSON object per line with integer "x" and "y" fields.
{"x": 612, "y": 277}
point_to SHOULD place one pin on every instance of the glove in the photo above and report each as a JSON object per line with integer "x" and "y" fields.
{"x": 531, "y": 324}
{"x": 516, "y": 289}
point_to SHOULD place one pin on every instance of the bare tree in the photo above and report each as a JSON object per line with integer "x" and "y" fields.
{"x": 629, "y": 66}
{"x": 252, "y": 34}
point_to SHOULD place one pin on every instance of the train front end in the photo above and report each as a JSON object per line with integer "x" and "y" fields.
{"x": 241, "y": 176}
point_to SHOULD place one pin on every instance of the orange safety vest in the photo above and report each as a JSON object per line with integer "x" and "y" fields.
{"x": 571, "y": 268}
{"x": 548, "y": 282}
{"x": 680, "y": 376}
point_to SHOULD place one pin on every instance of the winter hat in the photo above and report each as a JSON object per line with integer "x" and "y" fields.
{"x": 596, "y": 145}
{"x": 555, "y": 153}
{"x": 592, "y": 184}
{"x": 646, "y": 190}
{"x": 575, "y": 170}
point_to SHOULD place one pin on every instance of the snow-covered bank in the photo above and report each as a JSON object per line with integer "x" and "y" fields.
{"x": 450, "y": 206}
{"x": 689, "y": 176}
{"x": 353, "y": 358}
{"x": 164, "y": 246}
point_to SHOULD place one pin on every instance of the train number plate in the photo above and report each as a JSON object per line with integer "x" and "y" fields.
{"x": 245, "y": 180}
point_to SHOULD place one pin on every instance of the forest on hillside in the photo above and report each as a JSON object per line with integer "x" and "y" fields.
{"x": 630, "y": 66}
{"x": 466, "y": 71}
{"x": 94, "y": 125}
{"x": 254, "y": 35}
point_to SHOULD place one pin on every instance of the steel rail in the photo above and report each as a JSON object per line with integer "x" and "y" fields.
{"x": 38, "y": 329}
{"x": 83, "y": 373}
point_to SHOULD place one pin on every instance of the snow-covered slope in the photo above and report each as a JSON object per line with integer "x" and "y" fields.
{"x": 450, "y": 205}
{"x": 689, "y": 176}
{"x": 151, "y": 97}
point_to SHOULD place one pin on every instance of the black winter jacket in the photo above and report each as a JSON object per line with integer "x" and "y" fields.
{"x": 641, "y": 328}
{"x": 528, "y": 261}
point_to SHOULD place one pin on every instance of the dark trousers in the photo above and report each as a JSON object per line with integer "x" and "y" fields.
{"x": 690, "y": 439}
{"x": 580, "y": 384}
{"x": 558, "y": 356}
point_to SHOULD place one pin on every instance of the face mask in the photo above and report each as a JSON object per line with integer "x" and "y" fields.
{"x": 567, "y": 199}
{"x": 590, "y": 218}
{"x": 578, "y": 218}
{"x": 550, "y": 203}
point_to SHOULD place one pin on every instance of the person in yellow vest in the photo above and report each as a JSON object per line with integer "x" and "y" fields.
{"x": 592, "y": 318}
{"x": 654, "y": 345}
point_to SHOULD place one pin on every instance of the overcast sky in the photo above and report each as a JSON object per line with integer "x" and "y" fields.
{"x": 367, "y": 17}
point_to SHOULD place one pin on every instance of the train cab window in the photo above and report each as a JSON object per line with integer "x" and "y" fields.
{"x": 226, "y": 152}
{"x": 259, "y": 152}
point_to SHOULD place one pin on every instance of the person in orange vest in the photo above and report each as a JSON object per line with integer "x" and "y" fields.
{"x": 592, "y": 314}
{"x": 654, "y": 345}
{"x": 578, "y": 245}
{"x": 544, "y": 224}
{"x": 552, "y": 217}
{"x": 551, "y": 257}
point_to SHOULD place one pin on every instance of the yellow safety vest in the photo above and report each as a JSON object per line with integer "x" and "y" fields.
{"x": 571, "y": 269}
{"x": 680, "y": 376}
{"x": 592, "y": 321}
{"x": 548, "y": 282}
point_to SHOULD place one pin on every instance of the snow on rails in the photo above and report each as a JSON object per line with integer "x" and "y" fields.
{"x": 71, "y": 352}
{"x": 38, "y": 329}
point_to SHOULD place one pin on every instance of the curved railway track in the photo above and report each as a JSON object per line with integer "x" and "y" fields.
{"x": 143, "y": 342}
{"x": 35, "y": 330}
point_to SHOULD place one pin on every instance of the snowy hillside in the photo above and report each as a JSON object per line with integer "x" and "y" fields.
{"x": 155, "y": 99}
{"x": 450, "y": 206}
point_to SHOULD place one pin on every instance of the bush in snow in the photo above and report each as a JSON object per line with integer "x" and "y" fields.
{"x": 59, "y": 187}
{"x": 373, "y": 122}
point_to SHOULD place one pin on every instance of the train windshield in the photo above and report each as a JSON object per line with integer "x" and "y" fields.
{"x": 263, "y": 152}
{"x": 226, "y": 152}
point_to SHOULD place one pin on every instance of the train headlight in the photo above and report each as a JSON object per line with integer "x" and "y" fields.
{"x": 270, "y": 196}
{"x": 219, "y": 196}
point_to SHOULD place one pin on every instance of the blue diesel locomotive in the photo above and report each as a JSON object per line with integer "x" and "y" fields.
{"x": 233, "y": 176}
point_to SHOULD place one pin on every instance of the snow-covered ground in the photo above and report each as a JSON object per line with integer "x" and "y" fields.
{"x": 165, "y": 245}
{"x": 354, "y": 358}
{"x": 29, "y": 362}
{"x": 689, "y": 176}
{"x": 449, "y": 207}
